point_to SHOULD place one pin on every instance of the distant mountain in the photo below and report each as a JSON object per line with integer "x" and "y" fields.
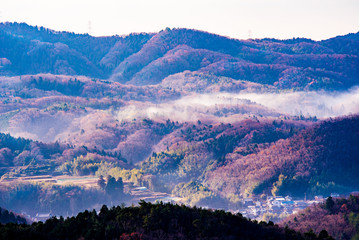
{"x": 34, "y": 50}
{"x": 148, "y": 58}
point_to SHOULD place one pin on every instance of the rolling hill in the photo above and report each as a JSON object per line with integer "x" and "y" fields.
{"x": 250, "y": 158}
{"x": 318, "y": 160}
{"x": 148, "y": 58}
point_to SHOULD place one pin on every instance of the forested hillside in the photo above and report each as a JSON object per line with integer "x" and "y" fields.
{"x": 40, "y": 50}
{"x": 338, "y": 216}
{"x": 10, "y": 217}
{"x": 206, "y": 164}
{"x": 318, "y": 160}
{"x": 143, "y": 59}
{"x": 152, "y": 221}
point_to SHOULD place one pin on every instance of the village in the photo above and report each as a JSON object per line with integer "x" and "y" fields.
{"x": 266, "y": 209}
{"x": 263, "y": 208}
{"x": 275, "y": 208}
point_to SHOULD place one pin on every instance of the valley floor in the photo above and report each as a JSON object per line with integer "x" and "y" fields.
{"x": 267, "y": 209}
{"x": 135, "y": 193}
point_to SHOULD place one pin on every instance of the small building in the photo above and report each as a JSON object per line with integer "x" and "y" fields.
{"x": 248, "y": 202}
{"x": 301, "y": 204}
{"x": 287, "y": 203}
{"x": 276, "y": 209}
{"x": 288, "y": 198}
{"x": 252, "y": 210}
{"x": 334, "y": 195}
{"x": 319, "y": 198}
{"x": 42, "y": 217}
{"x": 279, "y": 198}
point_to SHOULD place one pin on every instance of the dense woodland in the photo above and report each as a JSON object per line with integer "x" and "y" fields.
{"x": 10, "y": 217}
{"x": 153, "y": 221}
{"x": 317, "y": 161}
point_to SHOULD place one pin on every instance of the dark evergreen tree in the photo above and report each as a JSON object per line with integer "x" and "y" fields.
{"x": 114, "y": 187}
{"x": 329, "y": 204}
{"x": 101, "y": 182}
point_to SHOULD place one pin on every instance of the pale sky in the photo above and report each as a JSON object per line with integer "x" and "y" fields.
{"x": 316, "y": 19}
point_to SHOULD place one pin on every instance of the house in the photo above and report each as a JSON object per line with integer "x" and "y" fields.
{"x": 301, "y": 204}
{"x": 319, "y": 198}
{"x": 42, "y": 217}
{"x": 252, "y": 210}
{"x": 334, "y": 195}
{"x": 279, "y": 198}
{"x": 288, "y": 198}
{"x": 287, "y": 203}
{"x": 277, "y": 209}
{"x": 262, "y": 210}
{"x": 248, "y": 202}
{"x": 276, "y": 203}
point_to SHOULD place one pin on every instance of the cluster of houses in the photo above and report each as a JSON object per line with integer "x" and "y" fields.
{"x": 253, "y": 208}
{"x": 256, "y": 208}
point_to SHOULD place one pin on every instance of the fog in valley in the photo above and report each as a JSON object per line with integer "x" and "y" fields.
{"x": 61, "y": 126}
{"x": 190, "y": 108}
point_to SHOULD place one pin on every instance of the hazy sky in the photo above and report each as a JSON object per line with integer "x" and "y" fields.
{"x": 316, "y": 19}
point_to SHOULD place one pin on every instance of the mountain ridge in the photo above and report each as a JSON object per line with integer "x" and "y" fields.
{"x": 148, "y": 58}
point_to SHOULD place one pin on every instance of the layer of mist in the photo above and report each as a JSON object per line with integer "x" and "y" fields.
{"x": 216, "y": 107}
{"x": 320, "y": 104}
{"x": 309, "y": 104}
